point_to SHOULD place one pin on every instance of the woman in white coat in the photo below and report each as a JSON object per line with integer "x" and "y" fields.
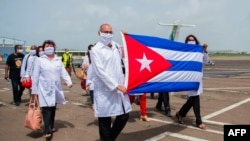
{"x": 47, "y": 74}
{"x": 193, "y": 96}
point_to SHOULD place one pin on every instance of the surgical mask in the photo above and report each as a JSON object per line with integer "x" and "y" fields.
{"x": 191, "y": 42}
{"x": 32, "y": 52}
{"x": 20, "y": 51}
{"x": 106, "y": 38}
{"x": 49, "y": 50}
{"x": 41, "y": 53}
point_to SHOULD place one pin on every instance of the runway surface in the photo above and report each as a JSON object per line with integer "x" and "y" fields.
{"x": 226, "y": 100}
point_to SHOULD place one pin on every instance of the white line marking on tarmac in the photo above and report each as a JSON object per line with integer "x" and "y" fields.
{"x": 226, "y": 109}
{"x": 177, "y": 135}
{"x": 77, "y": 103}
{"x": 2, "y": 103}
{"x": 228, "y": 69}
{"x": 216, "y": 122}
{"x": 187, "y": 126}
{"x": 6, "y": 88}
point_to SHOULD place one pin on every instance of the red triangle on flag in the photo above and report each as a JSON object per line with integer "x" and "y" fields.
{"x": 138, "y": 53}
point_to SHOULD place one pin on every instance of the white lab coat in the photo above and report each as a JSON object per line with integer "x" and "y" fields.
{"x": 107, "y": 73}
{"x": 47, "y": 81}
{"x": 90, "y": 78}
{"x": 29, "y": 60}
{"x": 200, "y": 89}
{"x": 85, "y": 61}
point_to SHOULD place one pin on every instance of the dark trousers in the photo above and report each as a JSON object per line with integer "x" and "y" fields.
{"x": 68, "y": 69}
{"x": 108, "y": 133}
{"x": 17, "y": 90}
{"x": 193, "y": 101}
{"x": 152, "y": 95}
{"x": 48, "y": 118}
{"x": 163, "y": 97}
{"x": 91, "y": 93}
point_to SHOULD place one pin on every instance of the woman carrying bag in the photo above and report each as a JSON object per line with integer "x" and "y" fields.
{"x": 48, "y": 71}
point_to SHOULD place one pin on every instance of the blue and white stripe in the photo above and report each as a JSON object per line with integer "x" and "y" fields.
{"x": 186, "y": 71}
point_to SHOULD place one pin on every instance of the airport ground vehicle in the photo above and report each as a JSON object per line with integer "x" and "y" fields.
{"x": 77, "y": 62}
{"x": 210, "y": 63}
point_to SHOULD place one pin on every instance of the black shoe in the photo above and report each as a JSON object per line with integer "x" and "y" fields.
{"x": 158, "y": 108}
{"x": 168, "y": 113}
{"x": 53, "y": 130}
{"x": 48, "y": 136}
{"x": 179, "y": 118}
{"x": 17, "y": 104}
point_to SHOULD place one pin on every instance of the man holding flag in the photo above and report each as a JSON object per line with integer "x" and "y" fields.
{"x": 110, "y": 98}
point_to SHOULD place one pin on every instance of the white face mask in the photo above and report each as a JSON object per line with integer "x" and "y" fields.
{"x": 20, "y": 51}
{"x": 106, "y": 38}
{"x": 49, "y": 50}
{"x": 32, "y": 52}
{"x": 41, "y": 53}
{"x": 191, "y": 42}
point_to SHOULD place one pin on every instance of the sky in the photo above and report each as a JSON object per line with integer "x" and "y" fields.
{"x": 74, "y": 24}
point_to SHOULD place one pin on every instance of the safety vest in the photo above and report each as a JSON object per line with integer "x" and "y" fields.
{"x": 67, "y": 59}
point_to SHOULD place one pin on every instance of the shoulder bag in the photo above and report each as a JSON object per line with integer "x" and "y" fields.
{"x": 33, "y": 118}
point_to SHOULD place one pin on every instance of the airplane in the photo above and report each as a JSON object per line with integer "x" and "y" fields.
{"x": 176, "y": 29}
{"x": 175, "y": 34}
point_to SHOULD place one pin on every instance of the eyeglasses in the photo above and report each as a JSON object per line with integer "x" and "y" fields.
{"x": 110, "y": 32}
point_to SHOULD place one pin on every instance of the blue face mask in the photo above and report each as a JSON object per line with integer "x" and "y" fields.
{"x": 49, "y": 50}
{"x": 191, "y": 42}
{"x": 41, "y": 53}
{"x": 32, "y": 52}
{"x": 20, "y": 51}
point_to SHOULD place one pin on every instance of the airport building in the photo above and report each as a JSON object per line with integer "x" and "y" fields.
{"x": 7, "y": 47}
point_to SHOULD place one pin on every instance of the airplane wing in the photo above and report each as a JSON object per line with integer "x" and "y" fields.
{"x": 187, "y": 25}
{"x": 176, "y": 24}
{"x": 166, "y": 24}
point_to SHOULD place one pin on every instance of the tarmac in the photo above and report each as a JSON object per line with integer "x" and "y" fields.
{"x": 225, "y": 101}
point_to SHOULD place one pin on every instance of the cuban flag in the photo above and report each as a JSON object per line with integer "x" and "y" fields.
{"x": 156, "y": 64}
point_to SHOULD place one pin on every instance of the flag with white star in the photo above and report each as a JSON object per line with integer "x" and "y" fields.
{"x": 156, "y": 64}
